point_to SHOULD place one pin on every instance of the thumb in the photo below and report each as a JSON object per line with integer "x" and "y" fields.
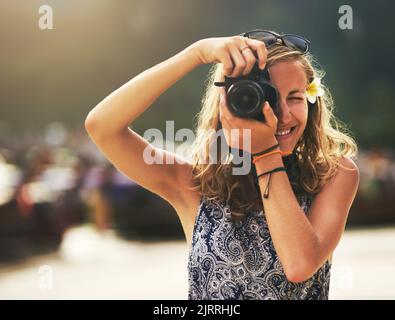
{"x": 269, "y": 115}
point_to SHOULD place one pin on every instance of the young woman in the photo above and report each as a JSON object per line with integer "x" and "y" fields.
{"x": 268, "y": 234}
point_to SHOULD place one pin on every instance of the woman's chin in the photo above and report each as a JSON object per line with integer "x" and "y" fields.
{"x": 286, "y": 146}
{"x": 287, "y": 143}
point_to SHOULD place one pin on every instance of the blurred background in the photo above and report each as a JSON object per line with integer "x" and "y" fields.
{"x": 72, "y": 227}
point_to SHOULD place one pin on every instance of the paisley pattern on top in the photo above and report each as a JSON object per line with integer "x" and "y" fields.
{"x": 237, "y": 260}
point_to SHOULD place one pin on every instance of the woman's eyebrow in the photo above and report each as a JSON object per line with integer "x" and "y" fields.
{"x": 295, "y": 91}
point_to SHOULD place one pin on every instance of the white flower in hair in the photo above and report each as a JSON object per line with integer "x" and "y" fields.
{"x": 314, "y": 90}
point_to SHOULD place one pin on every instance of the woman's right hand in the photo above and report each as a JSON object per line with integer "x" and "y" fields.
{"x": 231, "y": 52}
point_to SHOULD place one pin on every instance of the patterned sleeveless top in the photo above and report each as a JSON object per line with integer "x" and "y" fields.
{"x": 237, "y": 260}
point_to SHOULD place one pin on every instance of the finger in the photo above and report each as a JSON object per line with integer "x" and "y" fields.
{"x": 270, "y": 117}
{"x": 221, "y": 91}
{"x": 226, "y": 114}
{"x": 238, "y": 59}
{"x": 224, "y": 128}
{"x": 227, "y": 64}
{"x": 222, "y": 103}
{"x": 225, "y": 125}
{"x": 261, "y": 50}
{"x": 230, "y": 131}
{"x": 250, "y": 59}
{"x": 220, "y": 108}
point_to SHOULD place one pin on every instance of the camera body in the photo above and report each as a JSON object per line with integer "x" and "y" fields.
{"x": 246, "y": 94}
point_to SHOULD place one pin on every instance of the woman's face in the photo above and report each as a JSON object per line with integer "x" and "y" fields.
{"x": 291, "y": 83}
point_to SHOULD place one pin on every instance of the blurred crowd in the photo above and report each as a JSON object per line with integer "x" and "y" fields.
{"x": 57, "y": 179}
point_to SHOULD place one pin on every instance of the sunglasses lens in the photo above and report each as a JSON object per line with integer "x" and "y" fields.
{"x": 266, "y": 37}
{"x": 296, "y": 42}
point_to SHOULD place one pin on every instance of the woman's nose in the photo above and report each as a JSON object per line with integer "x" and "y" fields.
{"x": 283, "y": 113}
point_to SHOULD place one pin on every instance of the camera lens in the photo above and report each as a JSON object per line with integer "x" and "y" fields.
{"x": 245, "y": 98}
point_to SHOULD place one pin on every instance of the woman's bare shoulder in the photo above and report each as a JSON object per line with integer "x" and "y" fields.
{"x": 348, "y": 169}
{"x": 348, "y": 164}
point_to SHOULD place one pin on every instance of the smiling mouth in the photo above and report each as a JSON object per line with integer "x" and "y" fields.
{"x": 285, "y": 134}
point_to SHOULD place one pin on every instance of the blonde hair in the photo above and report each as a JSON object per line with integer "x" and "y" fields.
{"x": 324, "y": 142}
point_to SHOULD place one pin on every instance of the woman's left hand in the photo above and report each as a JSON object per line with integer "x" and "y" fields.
{"x": 262, "y": 134}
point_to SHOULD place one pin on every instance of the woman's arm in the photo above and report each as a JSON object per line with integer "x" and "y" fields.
{"x": 126, "y": 104}
{"x": 304, "y": 242}
{"x": 107, "y": 125}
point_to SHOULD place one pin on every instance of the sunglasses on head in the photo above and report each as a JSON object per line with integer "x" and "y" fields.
{"x": 272, "y": 38}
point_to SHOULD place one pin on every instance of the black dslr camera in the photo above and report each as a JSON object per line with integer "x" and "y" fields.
{"x": 246, "y": 94}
